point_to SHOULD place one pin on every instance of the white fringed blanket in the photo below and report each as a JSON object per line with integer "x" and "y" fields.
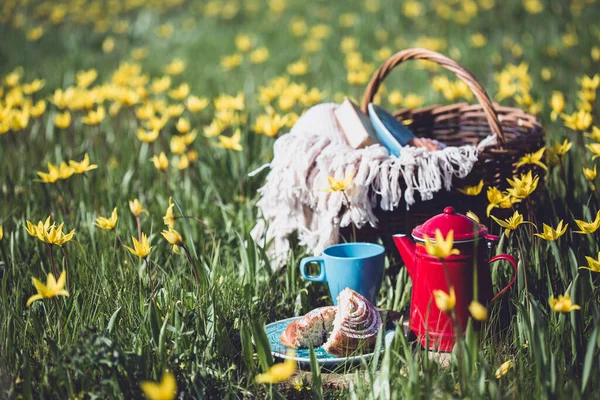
{"x": 316, "y": 148}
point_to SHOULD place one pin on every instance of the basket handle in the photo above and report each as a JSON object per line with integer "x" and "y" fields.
{"x": 451, "y": 65}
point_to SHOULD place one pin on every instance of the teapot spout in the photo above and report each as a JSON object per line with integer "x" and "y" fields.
{"x": 406, "y": 248}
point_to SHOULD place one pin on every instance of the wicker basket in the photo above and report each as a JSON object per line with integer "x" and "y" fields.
{"x": 456, "y": 125}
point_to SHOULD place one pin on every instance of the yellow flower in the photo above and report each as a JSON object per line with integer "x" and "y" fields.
{"x": 473, "y": 216}
{"x": 195, "y": 104}
{"x": 279, "y": 372}
{"x": 35, "y": 33}
{"x": 444, "y": 301}
{"x": 594, "y": 135}
{"x": 136, "y": 207}
{"x": 83, "y": 166}
{"x": 169, "y": 218}
{"x": 523, "y": 186}
{"x": 557, "y": 102}
{"x": 297, "y": 68}
{"x": 533, "y": 158}
{"x": 51, "y": 176}
{"x": 243, "y": 42}
{"x": 177, "y": 145}
{"x": 553, "y": 234}
{"x": 57, "y": 237}
{"x": 472, "y": 190}
{"x": 64, "y": 171}
{"x": 183, "y": 125}
{"x": 563, "y": 304}
{"x": 440, "y": 247}
{"x": 478, "y": 311}
{"x": 478, "y": 40}
{"x": 259, "y": 56}
{"x": 1, "y": 232}
{"x": 232, "y": 143}
{"x": 338, "y": 185}
{"x": 511, "y": 223}
{"x": 147, "y": 136}
{"x": 85, "y": 78}
{"x": 590, "y": 83}
{"x": 595, "y": 149}
{"x": 142, "y": 248}
{"x": 173, "y": 237}
{"x": 230, "y": 62}
{"x": 94, "y": 117}
{"x": 590, "y": 174}
{"x": 504, "y": 368}
{"x": 175, "y": 67}
{"x": 395, "y": 98}
{"x": 51, "y": 289}
{"x": 560, "y": 149}
{"x": 593, "y": 265}
{"x": 578, "y": 121}
{"x": 166, "y": 389}
{"x": 159, "y": 85}
{"x": 161, "y": 162}
{"x": 588, "y": 227}
{"x": 38, "y": 109}
{"x": 34, "y": 86}
{"x": 182, "y": 162}
{"x": 107, "y": 223}
{"x": 108, "y": 45}
{"x": 180, "y": 92}
{"x": 39, "y": 231}
{"x": 413, "y": 100}
{"x": 164, "y": 30}
{"x": 63, "y": 120}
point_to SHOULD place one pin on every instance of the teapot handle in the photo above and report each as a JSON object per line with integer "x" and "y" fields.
{"x": 512, "y": 262}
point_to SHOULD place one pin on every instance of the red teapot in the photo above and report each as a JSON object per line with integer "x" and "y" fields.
{"x": 433, "y": 327}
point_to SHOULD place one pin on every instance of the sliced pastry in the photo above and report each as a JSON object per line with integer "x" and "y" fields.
{"x": 310, "y": 330}
{"x": 355, "y": 326}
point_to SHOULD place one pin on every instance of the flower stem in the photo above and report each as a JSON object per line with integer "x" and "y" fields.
{"x": 139, "y": 226}
{"x": 66, "y": 268}
{"x": 193, "y": 264}
{"x": 151, "y": 281}
{"x": 54, "y": 271}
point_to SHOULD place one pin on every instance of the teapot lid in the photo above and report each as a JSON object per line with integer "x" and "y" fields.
{"x": 465, "y": 229}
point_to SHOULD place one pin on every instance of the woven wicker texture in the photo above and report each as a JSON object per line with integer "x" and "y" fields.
{"x": 458, "y": 124}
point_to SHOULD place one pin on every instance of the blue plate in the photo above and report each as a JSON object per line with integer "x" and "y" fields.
{"x": 275, "y": 329}
{"x": 390, "y": 132}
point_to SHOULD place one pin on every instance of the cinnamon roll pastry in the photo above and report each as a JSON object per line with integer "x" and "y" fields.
{"x": 310, "y": 330}
{"x": 355, "y": 326}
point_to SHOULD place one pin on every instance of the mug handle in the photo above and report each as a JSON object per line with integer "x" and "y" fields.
{"x": 512, "y": 262}
{"x": 313, "y": 278}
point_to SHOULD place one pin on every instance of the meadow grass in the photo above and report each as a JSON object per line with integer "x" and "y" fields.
{"x": 208, "y": 308}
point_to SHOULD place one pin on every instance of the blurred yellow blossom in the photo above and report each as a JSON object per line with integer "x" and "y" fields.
{"x": 478, "y": 40}
{"x": 35, "y": 33}
{"x": 231, "y": 61}
{"x": 94, "y": 117}
{"x": 297, "y": 68}
{"x": 557, "y": 102}
{"x": 259, "y": 56}
{"x": 161, "y": 162}
{"x": 472, "y": 190}
{"x": 445, "y": 301}
{"x": 86, "y": 78}
{"x": 578, "y": 121}
{"x": 232, "y": 143}
{"x": 478, "y": 311}
{"x": 279, "y": 372}
{"x": 108, "y": 45}
{"x": 83, "y": 166}
{"x": 503, "y": 369}
{"x": 51, "y": 289}
{"x": 243, "y": 42}
{"x": 588, "y": 227}
{"x": 136, "y": 207}
{"x": 180, "y": 92}
{"x": 147, "y": 136}
{"x": 196, "y": 104}
{"x": 63, "y": 120}
{"x": 107, "y": 223}
{"x": 440, "y": 247}
{"x": 590, "y": 174}
{"x": 533, "y": 158}
{"x": 175, "y": 67}
{"x": 551, "y": 233}
{"x": 563, "y": 304}
{"x": 595, "y": 149}
{"x": 338, "y": 185}
{"x": 593, "y": 265}
{"x": 511, "y": 223}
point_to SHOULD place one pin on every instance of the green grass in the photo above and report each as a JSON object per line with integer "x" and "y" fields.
{"x": 107, "y": 337}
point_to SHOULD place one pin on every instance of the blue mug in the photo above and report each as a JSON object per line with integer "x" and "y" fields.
{"x": 358, "y": 266}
